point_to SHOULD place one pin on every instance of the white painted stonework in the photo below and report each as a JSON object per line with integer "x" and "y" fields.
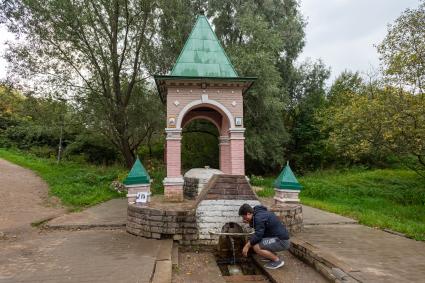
{"x": 212, "y": 215}
{"x": 203, "y": 175}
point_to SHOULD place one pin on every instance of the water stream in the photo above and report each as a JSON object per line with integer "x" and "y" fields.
{"x": 232, "y": 242}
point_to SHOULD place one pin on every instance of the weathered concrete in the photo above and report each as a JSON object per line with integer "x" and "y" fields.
{"x": 369, "y": 255}
{"x": 314, "y": 216}
{"x": 109, "y": 214}
{"x": 23, "y": 199}
{"x": 80, "y": 256}
{"x": 293, "y": 270}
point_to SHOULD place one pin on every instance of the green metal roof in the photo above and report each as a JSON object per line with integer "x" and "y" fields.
{"x": 287, "y": 180}
{"x": 137, "y": 175}
{"x": 203, "y": 55}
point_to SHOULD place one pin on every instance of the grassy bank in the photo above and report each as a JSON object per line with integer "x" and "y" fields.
{"x": 77, "y": 185}
{"x": 390, "y": 198}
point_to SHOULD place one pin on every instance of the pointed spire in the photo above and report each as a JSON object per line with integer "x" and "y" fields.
{"x": 203, "y": 55}
{"x": 138, "y": 174}
{"x": 287, "y": 180}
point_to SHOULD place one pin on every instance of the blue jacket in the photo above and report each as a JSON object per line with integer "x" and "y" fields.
{"x": 267, "y": 225}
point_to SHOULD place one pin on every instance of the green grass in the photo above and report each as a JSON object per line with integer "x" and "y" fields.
{"x": 77, "y": 185}
{"x": 388, "y": 198}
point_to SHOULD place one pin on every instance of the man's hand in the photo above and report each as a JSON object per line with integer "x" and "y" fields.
{"x": 246, "y": 249}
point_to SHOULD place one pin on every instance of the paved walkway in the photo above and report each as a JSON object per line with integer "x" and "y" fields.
{"x": 31, "y": 255}
{"x": 23, "y": 199}
{"x": 367, "y": 254}
{"x": 109, "y": 214}
{"x": 81, "y": 256}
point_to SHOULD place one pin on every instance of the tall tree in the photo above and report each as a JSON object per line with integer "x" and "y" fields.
{"x": 306, "y": 147}
{"x": 403, "y": 50}
{"x": 79, "y": 47}
{"x": 263, "y": 39}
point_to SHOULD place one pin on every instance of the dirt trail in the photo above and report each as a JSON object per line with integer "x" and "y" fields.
{"x": 23, "y": 199}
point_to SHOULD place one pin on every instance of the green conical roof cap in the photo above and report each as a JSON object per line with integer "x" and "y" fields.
{"x": 287, "y": 180}
{"x": 137, "y": 175}
{"x": 203, "y": 55}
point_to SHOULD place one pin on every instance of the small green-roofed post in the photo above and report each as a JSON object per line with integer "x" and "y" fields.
{"x": 287, "y": 187}
{"x": 138, "y": 184}
{"x": 137, "y": 175}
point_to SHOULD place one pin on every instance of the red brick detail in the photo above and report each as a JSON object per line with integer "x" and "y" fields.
{"x": 237, "y": 157}
{"x": 228, "y": 187}
{"x": 173, "y": 192}
{"x": 225, "y": 162}
{"x": 173, "y": 158}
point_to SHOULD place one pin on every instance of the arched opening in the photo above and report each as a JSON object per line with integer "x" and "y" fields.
{"x": 204, "y": 127}
{"x": 199, "y": 145}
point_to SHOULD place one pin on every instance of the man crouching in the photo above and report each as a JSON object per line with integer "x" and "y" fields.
{"x": 270, "y": 234}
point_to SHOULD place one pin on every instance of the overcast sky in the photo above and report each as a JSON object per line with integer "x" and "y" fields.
{"x": 343, "y": 33}
{"x": 340, "y": 32}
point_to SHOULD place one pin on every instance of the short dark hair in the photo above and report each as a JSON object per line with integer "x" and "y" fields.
{"x": 244, "y": 209}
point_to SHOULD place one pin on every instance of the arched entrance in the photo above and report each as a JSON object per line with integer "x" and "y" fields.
{"x": 200, "y": 146}
{"x": 216, "y": 114}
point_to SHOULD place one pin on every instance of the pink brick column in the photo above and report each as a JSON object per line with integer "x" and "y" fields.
{"x": 173, "y": 183}
{"x": 225, "y": 161}
{"x": 237, "y": 151}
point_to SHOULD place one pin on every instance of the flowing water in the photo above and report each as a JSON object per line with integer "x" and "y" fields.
{"x": 232, "y": 242}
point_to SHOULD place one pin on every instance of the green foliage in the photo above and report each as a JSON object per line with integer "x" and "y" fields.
{"x": 402, "y": 50}
{"x": 262, "y": 39}
{"x": 200, "y": 145}
{"x": 157, "y": 172}
{"x": 388, "y": 198}
{"x": 378, "y": 121}
{"x": 306, "y": 148}
{"x": 98, "y": 54}
{"x": 77, "y": 185}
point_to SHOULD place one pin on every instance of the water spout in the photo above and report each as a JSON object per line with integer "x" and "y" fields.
{"x": 234, "y": 234}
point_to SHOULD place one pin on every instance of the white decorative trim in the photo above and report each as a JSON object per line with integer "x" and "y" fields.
{"x": 173, "y": 181}
{"x": 189, "y": 106}
{"x": 234, "y": 103}
{"x": 173, "y": 133}
{"x": 204, "y": 98}
{"x": 237, "y": 130}
{"x": 224, "y": 140}
{"x": 138, "y": 185}
{"x": 176, "y": 103}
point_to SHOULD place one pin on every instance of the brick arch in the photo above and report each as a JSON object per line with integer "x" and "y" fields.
{"x": 206, "y": 103}
{"x": 215, "y": 117}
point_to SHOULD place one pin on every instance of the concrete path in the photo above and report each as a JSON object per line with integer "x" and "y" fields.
{"x": 96, "y": 255}
{"x": 110, "y": 214}
{"x": 23, "y": 199}
{"x": 81, "y": 256}
{"x": 366, "y": 254}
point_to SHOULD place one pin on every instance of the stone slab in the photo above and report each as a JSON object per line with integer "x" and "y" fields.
{"x": 314, "y": 216}
{"x": 79, "y": 256}
{"x": 293, "y": 270}
{"x": 175, "y": 256}
{"x": 111, "y": 214}
{"x": 369, "y": 255}
{"x": 165, "y": 250}
{"x": 163, "y": 271}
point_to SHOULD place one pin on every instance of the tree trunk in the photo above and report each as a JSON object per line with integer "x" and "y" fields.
{"x": 127, "y": 153}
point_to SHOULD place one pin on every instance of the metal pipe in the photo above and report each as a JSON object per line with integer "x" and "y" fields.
{"x": 230, "y": 234}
